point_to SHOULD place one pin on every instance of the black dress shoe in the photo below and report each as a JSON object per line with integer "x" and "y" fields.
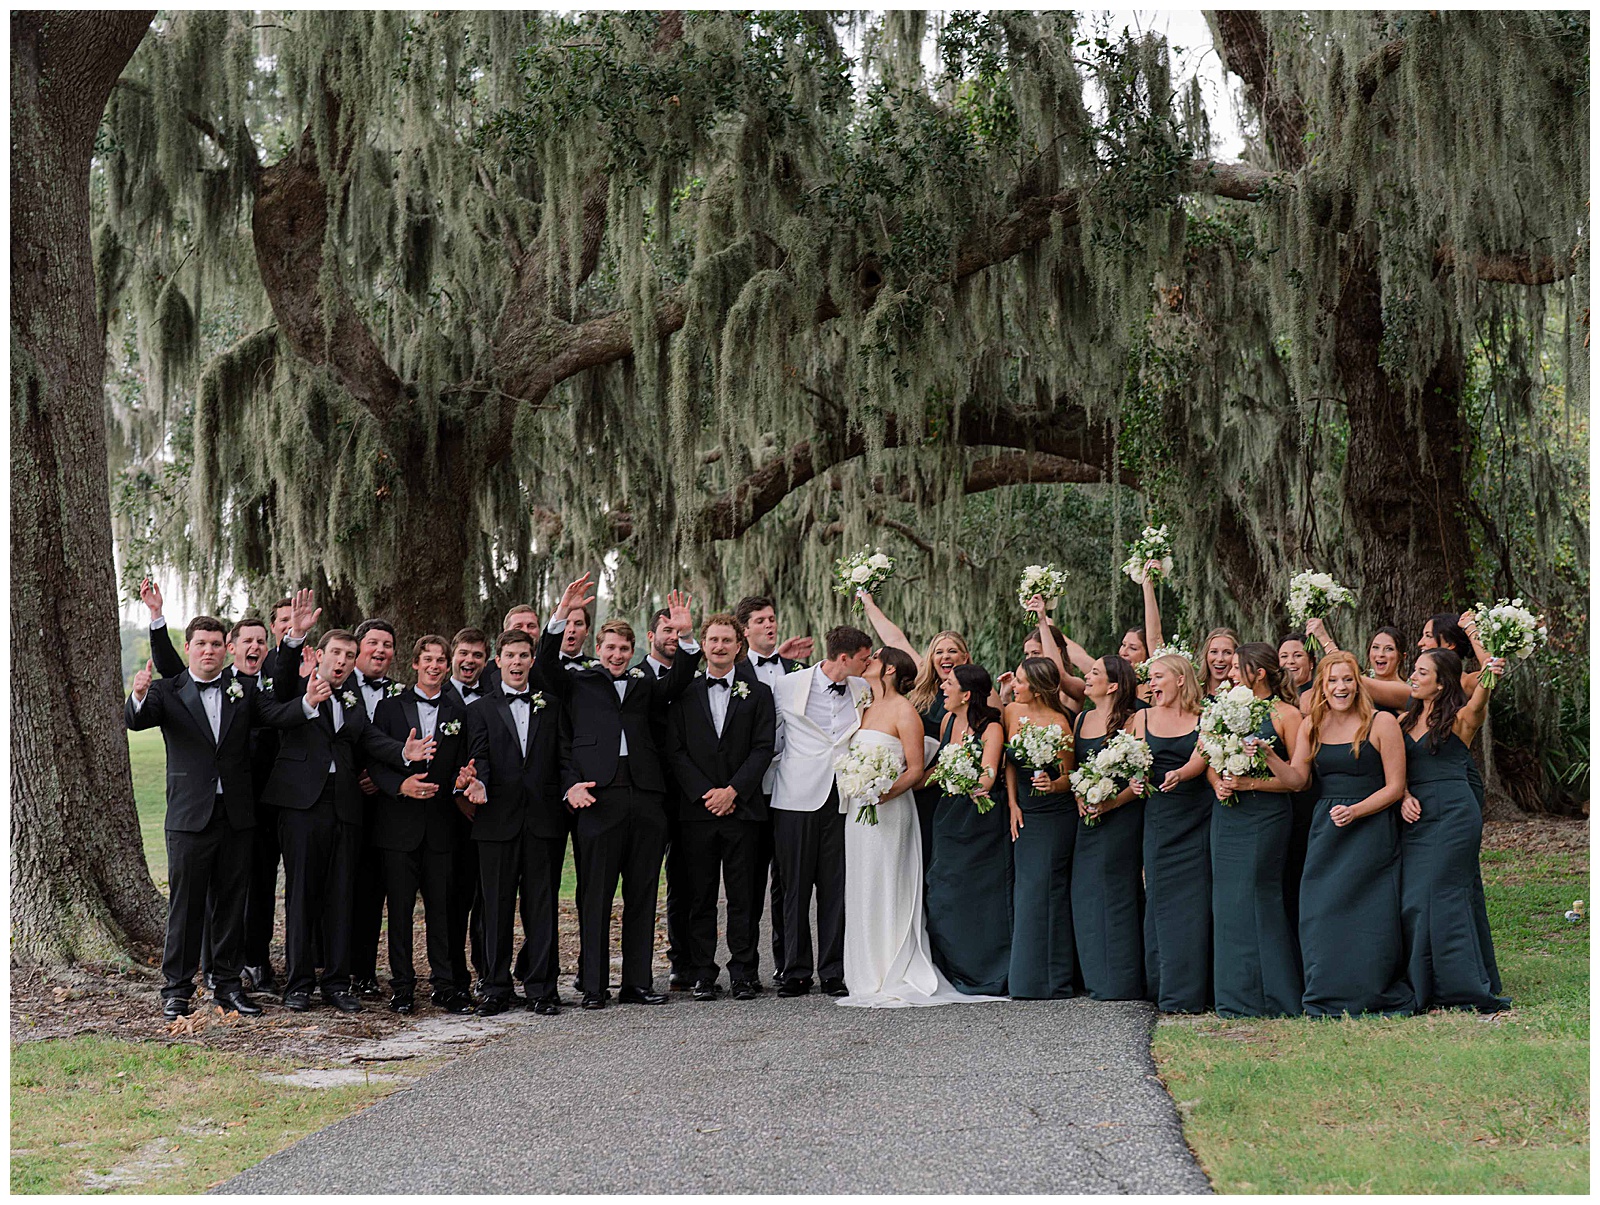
{"x": 707, "y": 989}
{"x": 679, "y": 983}
{"x": 834, "y": 987}
{"x": 210, "y": 981}
{"x": 546, "y": 1006}
{"x": 365, "y": 986}
{"x": 238, "y": 1002}
{"x": 453, "y": 1001}
{"x": 744, "y": 989}
{"x": 343, "y": 1001}
{"x": 594, "y": 1000}
{"x": 640, "y": 995}
{"x": 297, "y": 1002}
{"x": 793, "y": 987}
{"x": 259, "y": 979}
{"x": 493, "y": 1006}
{"x": 403, "y": 1003}
{"x": 174, "y": 1007}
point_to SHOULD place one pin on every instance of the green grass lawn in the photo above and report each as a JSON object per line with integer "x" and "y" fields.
{"x": 105, "y": 1114}
{"x": 1451, "y": 1103}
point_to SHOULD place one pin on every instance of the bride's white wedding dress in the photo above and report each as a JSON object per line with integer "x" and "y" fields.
{"x": 887, "y": 960}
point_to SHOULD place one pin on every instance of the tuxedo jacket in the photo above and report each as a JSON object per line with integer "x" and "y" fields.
{"x": 263, "y": 739}
{"x": 594, "y": 719}
{"x": 701, "y": 760}
{"x": 169, "y": 665}
{"x": 304, "y": 752}
{"x": 803, "y": 770}
{"x": 524, "y": 789}
{"x": 401, "y": 822}
{"x": 196, "y": 759}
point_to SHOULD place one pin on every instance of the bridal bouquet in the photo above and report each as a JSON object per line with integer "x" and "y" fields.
{"x": 1039, "y": 746}
{"x": 864, "y": 773}
{"x": 1176, "y": 649}
{"x": 1044, "y": 580}
{"x": 1121, "y": 760}
{"x": 1226, "y": 722}
{"x": 1153, "y": 544}
{"x": 864, "y": 570}
{"x": 959, "y": 771}
{"x": 1094, "y": 789}
{"x": 1313, "y": 596}
{"x": 1508, "y": 629}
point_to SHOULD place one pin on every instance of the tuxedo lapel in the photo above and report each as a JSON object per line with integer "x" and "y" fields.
{"x": 228, "y": 707}
{"x": 408, "y": 704}
{"x": 799, "y": 688}
{"x": 702, "y": 693}
{"x": 190, "y": 694}
{"x": 503, "y": 710}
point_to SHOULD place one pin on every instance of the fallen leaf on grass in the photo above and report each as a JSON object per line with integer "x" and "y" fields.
{"x": 191, "y": 1024}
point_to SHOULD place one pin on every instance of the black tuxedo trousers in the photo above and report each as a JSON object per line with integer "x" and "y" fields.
{"x": 319, "y": 862}
{"x": 808, "y": 854}
{"x": 623, "y": 834}
{"x": 206, "y": 882}
{"x": 525, "y": 871}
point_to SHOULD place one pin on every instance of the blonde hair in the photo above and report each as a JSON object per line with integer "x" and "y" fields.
{"x": 620, "y": 626}
{"x": 928, "y": 680}
{"x": 1205, "y": 649}
{"x": 1319, "y": 701}
{"x": 1190, "y": 693}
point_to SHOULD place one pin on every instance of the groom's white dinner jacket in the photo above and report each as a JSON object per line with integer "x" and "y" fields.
{"x": 802, "y": 773}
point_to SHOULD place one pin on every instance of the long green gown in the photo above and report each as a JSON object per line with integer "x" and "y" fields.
{"x": 927, "y": 798}
{"x": 1108, "y": 895}
{"x": 1448, "y": 954}
{"x": 1350, "y": 935}
{"x": 969, "y": 892}
{"x": 1177, "y": 883}
{"x": 1255, "y": 970}
{"x": 1043, "y": 956}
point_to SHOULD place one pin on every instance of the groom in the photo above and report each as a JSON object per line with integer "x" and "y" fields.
{"x": 819, "y": 710}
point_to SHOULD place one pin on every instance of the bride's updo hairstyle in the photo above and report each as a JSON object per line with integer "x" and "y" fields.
{"x": 904, "y": 669}
{"x": 975, "y": 681}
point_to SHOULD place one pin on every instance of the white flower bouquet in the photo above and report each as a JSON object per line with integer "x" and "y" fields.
{"x": 959, "y": 771}
{"x": 1226, "y": 722}
{"x": 1508, "y": 629}
{"x": 1044, "y": 580}
{"x": 1093, "y": 790}
{"x": 1176, "y": 649}
{"x": 1153, "y": 544}
{"x": 864, "y": 570}
{"x": 1314, "y": 596}
{"x": 1039, "y": 746}
{"x": 863, "y": 774}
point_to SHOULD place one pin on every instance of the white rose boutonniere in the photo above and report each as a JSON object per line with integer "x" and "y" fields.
{"x": 797, "y": 667}
{"x": 636, "y": 672}
{"x": 741, "y": 690}
{"x": 450, "y": 728}
{"x": 591, "y": 663}
{"x": 865, "y": 701}
{"x": 347, "y": 697}
{"x": 536, "y": 701}
{"x": 234, "y": 691}
{"x": 394, "y": 690}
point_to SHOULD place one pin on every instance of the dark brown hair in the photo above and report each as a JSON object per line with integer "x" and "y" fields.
{"x": 1447, "y": 704}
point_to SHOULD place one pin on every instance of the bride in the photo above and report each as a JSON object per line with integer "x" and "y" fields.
{"x": 886, "y": 953}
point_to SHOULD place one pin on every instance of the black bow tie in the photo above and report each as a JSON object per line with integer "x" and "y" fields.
{"x": 433, "y": 702}
{"x": 566, "y": 660}
{"x": 214, "y": 684}
{"x": 471, "y": 692}
{"x": 772, "y": 660}
{"x": 722, "y": 682}
{"x": 838, "y": 688}
{"x": 376, "y": 683}
{"x": 524, "y": 697}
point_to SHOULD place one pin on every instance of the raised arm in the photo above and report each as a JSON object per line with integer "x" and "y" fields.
{"x": 167, "y": 662}
{"x": 1152, "y": 610}
{"x": 547, "y": 657}
{"x": 670, "y": 688}
{"x": 1470, "y": 718}
{"x": 886, "y": 630}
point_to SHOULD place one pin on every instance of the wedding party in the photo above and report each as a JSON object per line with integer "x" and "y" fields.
{"x": 681, "y": 601}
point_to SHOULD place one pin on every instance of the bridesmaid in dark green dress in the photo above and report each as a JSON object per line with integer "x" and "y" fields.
{"x": 969, "y": 878}
{"x": 1255, "y": 970}
{"x": 1177, "y": 843}
{"x": 1350, "y": 934}
{"x": 1294, "y": 655}
{"x": 1044, "y": 820}
{"x": 1107, "y": 887}
{"x": 1449, "y": 952}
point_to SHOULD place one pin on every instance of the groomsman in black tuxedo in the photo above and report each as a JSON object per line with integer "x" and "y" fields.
{"x": 469, "y": 657}
{"x": 519, "y": 828}
{"x": 611, "y": 776}
{"x": 375, "y": 641}
{"x": 721, "y": 737}
{"x": 573, "y": 637}
{"x": 767, "y": 662}
{"x": 205, "y": 717}
{"x": 417, "y": 829}
{"x": 321, "y": 807}
{"x": 521, "y": 618}
{"x": 662, "y": 642}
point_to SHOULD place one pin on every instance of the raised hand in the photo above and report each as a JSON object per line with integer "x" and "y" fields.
{"x": 1006, "y": 682}
{"x": 141, "y": 680}
{"x": 310, "y": 658}
{"x": 580, "y": 794}
{"x": 418, "y": 749}
{"x": 318, "y": 691}
{"x": 303, "y": 613}
{"x": 1036, "y": 604}
{"x": 150, "y": 595}
{"x": 678, "y": 611}
{"x": 1152, "y": 569}
{"x": 797, "y": 648}
{"x": 418, "y": 787}
{"x": 574, "y": 596}
{"x": 468, "y": 774}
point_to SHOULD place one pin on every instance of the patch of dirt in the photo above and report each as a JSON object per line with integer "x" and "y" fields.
{"x": 1541, "y": 835}
{"x": 142, "y": 1166}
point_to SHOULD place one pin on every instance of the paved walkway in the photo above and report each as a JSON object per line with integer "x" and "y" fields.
{"x": 772, "y": 1096}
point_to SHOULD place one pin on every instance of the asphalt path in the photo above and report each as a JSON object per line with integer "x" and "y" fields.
{"x": 772, "y": 1096}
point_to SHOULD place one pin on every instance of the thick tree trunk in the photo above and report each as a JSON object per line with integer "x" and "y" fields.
{"x": 80, "y": 888}
{"x": 436, "y": 528}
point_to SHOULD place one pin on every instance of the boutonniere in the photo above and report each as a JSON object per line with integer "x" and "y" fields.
{"x": 699, "y": 673}
{"x": 394, "y": 690}
{"x": 741, "y": 690}
{"x": 450, "y": 727}
{"x": 591, "y": 663}
{"x": 636, "y": 672}
{"x": 797, "y": 667}
{"x": 864, "y": 701}
{"x": 535, "y": 702}
{"x": 264, "y": 684}
{"x": 234, "y": 691}
{"x": 347, "y": 697}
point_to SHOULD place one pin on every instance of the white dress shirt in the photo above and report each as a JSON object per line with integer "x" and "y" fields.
{"x": 370, "y": 696}
{"x": 770, "y": 674}
{"x": 719, "y": 699}
{"x": 427, "y": 714}
{"x": 556, "y": 626}
{"x": 294, "y": 642}
{"x": 521, "y": 709}
{"x": 829, "y": 710}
